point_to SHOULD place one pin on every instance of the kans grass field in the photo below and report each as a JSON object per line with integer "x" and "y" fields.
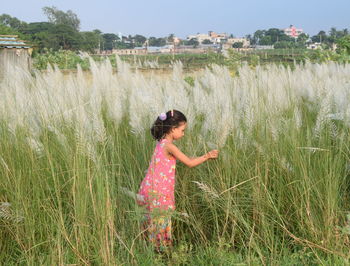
{"x": 71, "y": 147}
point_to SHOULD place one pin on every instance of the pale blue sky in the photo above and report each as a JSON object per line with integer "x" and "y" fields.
{"x": 184, "y": 17}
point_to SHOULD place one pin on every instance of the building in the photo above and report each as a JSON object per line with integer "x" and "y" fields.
{"x": 200, "y": 37}
{"x": 14, "y": 52}
{"x": 135, "y": 51}
{"x": 314, "y": 46}
{"x": 293, "y": 31}
{"x": 211, "y": 36}
{"x": 217, "y": 37}
{"x": 230, "y": 41}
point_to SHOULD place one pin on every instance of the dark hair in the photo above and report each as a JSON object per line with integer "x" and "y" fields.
{"x": 173, "y": 119}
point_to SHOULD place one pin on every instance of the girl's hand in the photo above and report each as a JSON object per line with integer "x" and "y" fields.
{"x": 212, "y": 154}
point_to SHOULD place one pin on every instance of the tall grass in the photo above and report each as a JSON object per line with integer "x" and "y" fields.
{"x": 279, "y": 189}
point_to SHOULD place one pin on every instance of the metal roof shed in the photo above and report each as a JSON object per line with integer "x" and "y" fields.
{"x": 14, "y": 52}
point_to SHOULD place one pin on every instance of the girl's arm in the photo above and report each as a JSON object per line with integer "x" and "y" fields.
{"x": 190, "y": 162}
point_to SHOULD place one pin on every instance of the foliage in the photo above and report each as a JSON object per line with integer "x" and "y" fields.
{"x": 89, "y": 41}
{"x": 270, "y": 37}
{"x": 288, "y": 45}
{"x": 153, "y": 41}
{"x": 5, "y": 30}
{"x": 237, "y": 45}
{"x": 192, "y": 42}
{"x": 344, "y": 44}
{"x": 12, "y": 22}
{"x": 206, "y": 41}
{"x": 63, "y": 59}
{"x": 58, "y": 17}
{"x": 109, "y": 41}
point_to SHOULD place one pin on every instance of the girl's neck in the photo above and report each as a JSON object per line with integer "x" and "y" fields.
{"x": 169, "y": 138}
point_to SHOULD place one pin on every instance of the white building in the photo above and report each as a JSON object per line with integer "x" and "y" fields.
{"x": 199, "y": 37}
{"x": 211, "y": 36}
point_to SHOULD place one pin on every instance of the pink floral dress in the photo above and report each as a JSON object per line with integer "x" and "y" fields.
{"x": 157, "y": 192}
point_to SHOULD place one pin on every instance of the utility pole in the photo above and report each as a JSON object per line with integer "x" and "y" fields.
{"x": 173, "y": 48}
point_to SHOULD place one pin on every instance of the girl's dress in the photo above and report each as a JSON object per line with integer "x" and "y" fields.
{"x": 157, "y": 195}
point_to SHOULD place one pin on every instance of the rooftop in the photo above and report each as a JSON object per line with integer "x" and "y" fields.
{"x": 11, "y": 41}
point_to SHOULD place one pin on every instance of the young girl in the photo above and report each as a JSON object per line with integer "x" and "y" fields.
{"x": 157, "y": 188}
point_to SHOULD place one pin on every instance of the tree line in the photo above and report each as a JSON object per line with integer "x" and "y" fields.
{"x": 279, "y": 39}
{"x": 62, "y": 31}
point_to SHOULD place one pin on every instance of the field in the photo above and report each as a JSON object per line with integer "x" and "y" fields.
{"x": 278, "y": 195}
{"x": 68, "y": 60}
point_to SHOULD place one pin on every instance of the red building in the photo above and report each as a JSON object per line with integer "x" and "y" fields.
{"x": 293, "y": 31}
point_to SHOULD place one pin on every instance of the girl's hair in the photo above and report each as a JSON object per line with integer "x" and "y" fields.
{"x": 173, "y": 119}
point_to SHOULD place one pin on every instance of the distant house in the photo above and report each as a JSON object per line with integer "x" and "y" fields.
{"x": 135, "y": 51}
{"x": 14, "y": 52}
{"x": 314, "y": 46}
{"x": 213, "y": 37}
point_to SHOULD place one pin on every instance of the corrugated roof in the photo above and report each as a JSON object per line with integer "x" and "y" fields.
{"x": 7, "y": 38}
{"x": 10, "y": 41}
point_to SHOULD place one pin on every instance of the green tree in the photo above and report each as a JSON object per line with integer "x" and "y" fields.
{"x": 320, "y": 37}
{"x": 153, "y": 41}
{"x": 302, "y": 38}
{"x": 139, "y": 40}
{"x": 12, "y": 22}
{"x": 237, "y": 45}
{"x": 57, "y": 16}
{"x": 206, "y": 41}
{"x": 193, "y": 42}
{"x": 170, "y": 38}
{"x": 39, "y": 33}
{"x": 65, "y": 37}
{"x": 344, "y": 44}
{"x": 5, "y": 30}
{"x": 258, "y": 35}
{"x": 109, "y": 41}
{"x": 89, "y": 41}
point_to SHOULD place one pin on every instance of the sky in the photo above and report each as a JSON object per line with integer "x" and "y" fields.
{"x": 185, "y": 17}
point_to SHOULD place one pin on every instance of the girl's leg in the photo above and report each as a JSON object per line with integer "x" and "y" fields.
{"x": 159, "y": 232}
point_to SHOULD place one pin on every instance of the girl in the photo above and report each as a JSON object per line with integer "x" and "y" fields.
{"x": 157, "y": 188}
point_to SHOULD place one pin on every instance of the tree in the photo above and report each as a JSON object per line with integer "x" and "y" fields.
{"x": 288, "y": 45}
{"x": 57, "y": 16}
{"x": 266, "y": 40}
{"x": 153, "y": 41}
{"x": 139, "y": 40}
{"x": 12, "y": 22}
{"x": 320, "y": 37}
{"x": 109, "y": 41}
{"x": 193, "y": 42}
{"x": 237, "y": 45}
{"x": 206, "y": 41}
{"x": 257, "y": 36}
{"x": 303, "y": 38}
{"x": 39, "y": 34}
{"x": 344, "y": 44}
{"x": 5, "y": 30}
{"x": 65, "y": 37}
{"x": 89, "y": 41}
{"x": 170, "y": 38}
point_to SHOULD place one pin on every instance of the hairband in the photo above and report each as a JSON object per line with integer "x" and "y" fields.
{"x": 162, "y": 116}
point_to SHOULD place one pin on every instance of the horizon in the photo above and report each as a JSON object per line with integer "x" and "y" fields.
{"x": 189, "y": 18}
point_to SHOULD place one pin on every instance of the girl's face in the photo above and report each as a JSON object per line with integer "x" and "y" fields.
{"x": 179, "y": 132}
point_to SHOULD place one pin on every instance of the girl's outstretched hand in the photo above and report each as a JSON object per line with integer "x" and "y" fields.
{"x": 212, "y": 154}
